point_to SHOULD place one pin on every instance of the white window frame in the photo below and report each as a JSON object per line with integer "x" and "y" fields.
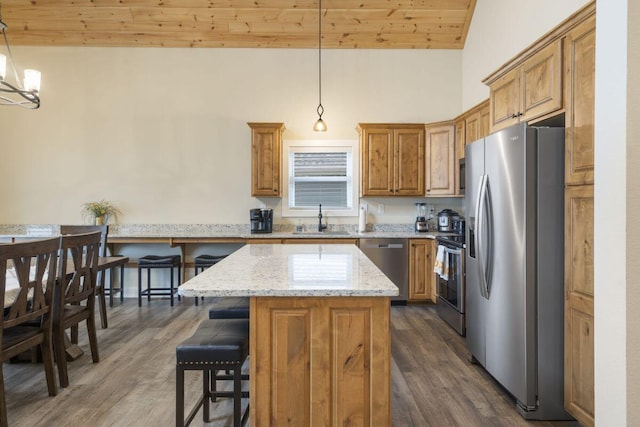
{"x": 317, "y": 146}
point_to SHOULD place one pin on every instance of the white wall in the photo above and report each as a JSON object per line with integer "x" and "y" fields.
{"x": 163, "y": 133}
{"x": 610, "y": 190}
{"x": 507, "y": 27}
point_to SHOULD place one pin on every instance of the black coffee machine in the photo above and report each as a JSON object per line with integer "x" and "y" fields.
{"x": 261, "y": 220}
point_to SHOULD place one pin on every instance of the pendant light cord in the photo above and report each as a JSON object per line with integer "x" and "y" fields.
{"x": 320, "y": 107}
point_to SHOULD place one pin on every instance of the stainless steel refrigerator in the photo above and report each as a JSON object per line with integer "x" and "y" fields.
{"x": 515, "y": 264}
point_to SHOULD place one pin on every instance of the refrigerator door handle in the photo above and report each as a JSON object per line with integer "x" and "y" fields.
{"x": 479, "y": 233}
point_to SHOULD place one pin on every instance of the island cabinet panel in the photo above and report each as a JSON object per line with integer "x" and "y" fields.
{"x": 580, "y": 68}
{"x": 320, "y": 361}
{"x": 579, "y": 304}
{"x": 392, "y": 160}
{"x": 441, "y": 160}
{"x": 266, "y": 152}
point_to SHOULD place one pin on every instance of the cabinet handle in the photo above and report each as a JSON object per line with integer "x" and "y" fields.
{"x": 275, "y": 191}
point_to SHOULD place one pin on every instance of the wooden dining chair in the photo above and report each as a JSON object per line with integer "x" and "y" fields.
{"x": 74, "y": 299}
{"x": 100, "y": 282}
{"x": 27, "y": 319}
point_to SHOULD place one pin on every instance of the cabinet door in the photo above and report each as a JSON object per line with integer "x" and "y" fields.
{"x": 266, "y": 151}
{"x": 485, "y": 128}
{"x": 409, "y": 162}
{"x": 504, "y": 101}
{"x": 579, "y": 64}
{"x": 377, "y": 162}
{"x": 459, "y": 152}
{"x": 579, "y": 300}
{"x": 418, "y": 286}
{"x": 541, "y": 83}
{"x": 421, "y": 275}
{"x": 441, "y": 161}
{"x": 472, "y": 127}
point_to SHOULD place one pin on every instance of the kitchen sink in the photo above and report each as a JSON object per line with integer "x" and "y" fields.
{"x": 323, "y": 233}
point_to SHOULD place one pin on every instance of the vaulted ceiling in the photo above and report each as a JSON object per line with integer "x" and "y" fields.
{"x": 366, "y": 24}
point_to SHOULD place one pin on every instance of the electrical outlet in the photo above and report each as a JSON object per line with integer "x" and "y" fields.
{"x": 380, "y": 208}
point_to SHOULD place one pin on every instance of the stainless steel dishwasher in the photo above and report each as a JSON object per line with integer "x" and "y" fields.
{"x": 392, "y": 257}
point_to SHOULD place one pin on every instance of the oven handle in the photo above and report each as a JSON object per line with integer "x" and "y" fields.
{"x": 452, "y": 251}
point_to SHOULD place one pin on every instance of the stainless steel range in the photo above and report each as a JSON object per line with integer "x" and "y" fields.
{"x": 450, "y": 305}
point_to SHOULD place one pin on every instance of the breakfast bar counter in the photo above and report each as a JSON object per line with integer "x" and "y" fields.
{"x": 320, "y": 347}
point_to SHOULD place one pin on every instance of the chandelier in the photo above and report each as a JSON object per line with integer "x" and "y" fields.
{"x": 17, "y": 94}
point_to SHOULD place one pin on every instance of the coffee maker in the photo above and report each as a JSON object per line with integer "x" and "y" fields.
{"x": 261, "y": 220}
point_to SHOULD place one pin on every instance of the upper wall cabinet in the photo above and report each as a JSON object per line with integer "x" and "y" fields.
{"x": 579, "y": 68}
{"x": 459, "y": 154}
{"x": 266, "y": 152}
{"x": 530, "y": 90}
{"x": 476, "y": 123}
{"x": 441, "y": 159}
{"x": 392, "y": 159}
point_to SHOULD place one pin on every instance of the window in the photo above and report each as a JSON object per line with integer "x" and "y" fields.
{"x": 320, "y": 173}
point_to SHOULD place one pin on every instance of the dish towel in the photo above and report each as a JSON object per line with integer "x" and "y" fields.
{"x": 441, "y": 266}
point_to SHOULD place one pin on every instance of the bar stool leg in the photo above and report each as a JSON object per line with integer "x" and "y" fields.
{"x": 171, "y": 286}
{"x": 121, "y": 283}
{"x": 148, "y": 284}
{"x": 139, "y": 287}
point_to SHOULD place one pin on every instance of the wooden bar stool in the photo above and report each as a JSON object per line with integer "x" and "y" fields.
{"x": 150, "y": 262}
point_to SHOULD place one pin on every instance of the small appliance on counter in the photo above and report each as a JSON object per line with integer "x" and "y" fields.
{"x": 421, "y": 219}
{"x": 445, "y": 220}
{"x": 261, "y": 220}
{"x": 457, "y": 225}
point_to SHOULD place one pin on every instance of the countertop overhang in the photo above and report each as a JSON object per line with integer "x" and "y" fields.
{"x": 279, "y": 270}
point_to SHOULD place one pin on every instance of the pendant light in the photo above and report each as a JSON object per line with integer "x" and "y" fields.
{"x": 320, "y": 125}
{"x": 15, "y": 94}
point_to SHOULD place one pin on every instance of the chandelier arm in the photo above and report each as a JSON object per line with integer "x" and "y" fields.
{"x": 13, "y": 64}
{"x": 30, "y": 97}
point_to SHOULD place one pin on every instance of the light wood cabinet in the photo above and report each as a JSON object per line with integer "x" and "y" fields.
{"x": 460, "y": 144}
{"x": 320, "y": 361}
{"x": 441, "y": 159}
{"x": 392, "y": 159}
{"x": 266, "y": 154}
{"x": 579, "y": 303}
{"x": 472, "y": 125}
{"x": 579, "y": 72}
{"x": 530, "y": 90}
{"x": 579, "y": 89}
{"x": 422, "y": 279}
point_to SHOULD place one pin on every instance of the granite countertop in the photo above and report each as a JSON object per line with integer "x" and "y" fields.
{"x": 292, "y": 270}
{"x": 224, "y": 231}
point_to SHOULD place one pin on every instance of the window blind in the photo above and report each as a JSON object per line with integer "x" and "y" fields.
{"x": 320, "y": 178}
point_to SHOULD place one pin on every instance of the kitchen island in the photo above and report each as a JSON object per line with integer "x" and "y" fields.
{"x": 319, "y": 336}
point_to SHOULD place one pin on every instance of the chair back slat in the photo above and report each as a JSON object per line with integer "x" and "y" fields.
{"x": 84, "y": 229}
{"x": 77, "y": 267}
{"x": 35, "y": 264}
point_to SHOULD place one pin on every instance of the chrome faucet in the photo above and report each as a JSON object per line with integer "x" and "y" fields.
{"x": 320, "y": 226}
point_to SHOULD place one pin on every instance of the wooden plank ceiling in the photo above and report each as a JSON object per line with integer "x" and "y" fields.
{"x": 366, "y": 24}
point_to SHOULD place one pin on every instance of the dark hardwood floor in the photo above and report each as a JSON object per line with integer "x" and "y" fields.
{"x": 134, "y": 383}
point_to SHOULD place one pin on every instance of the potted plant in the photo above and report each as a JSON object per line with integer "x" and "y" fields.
{"x": 99, "y": 212}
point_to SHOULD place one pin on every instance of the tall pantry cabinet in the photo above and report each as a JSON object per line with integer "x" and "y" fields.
{"x": 579, "y": 85}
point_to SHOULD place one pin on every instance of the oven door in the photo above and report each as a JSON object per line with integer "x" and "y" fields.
{"x": 452, "y": 290}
